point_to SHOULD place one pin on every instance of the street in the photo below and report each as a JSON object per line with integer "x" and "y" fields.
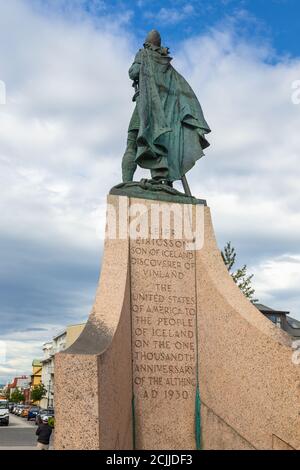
{"x": 19, "y": 435}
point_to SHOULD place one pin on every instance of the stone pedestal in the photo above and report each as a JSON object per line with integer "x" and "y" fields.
{"x": 166, "y": 317}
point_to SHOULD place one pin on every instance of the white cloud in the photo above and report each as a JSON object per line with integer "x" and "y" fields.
{"x": 280, "y": 273}
{"x": 20, "y": 350}
{"x": 171, "y": 15}
{"x": 277, "y": 280}
{"x": 59, "y": 135}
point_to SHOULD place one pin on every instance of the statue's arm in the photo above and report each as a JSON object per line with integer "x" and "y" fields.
{"x": 134, "y": 71}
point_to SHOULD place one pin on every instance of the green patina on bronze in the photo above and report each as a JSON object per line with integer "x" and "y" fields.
{"x": 153, "y": 190}
{"x": 167, "y": 131}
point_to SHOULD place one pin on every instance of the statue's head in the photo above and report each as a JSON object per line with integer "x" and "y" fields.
{"x": 154, "y": 38}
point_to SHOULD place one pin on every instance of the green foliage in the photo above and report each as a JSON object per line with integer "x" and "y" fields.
{"x": 229, "y": 256}
{"x": 38, "y": 392}
{"x": 51, "y": 422}
{"x": 240, "y": 276}
{"x": 17, "y": 396}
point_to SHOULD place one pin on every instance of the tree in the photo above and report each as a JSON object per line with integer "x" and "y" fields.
{"x": 17, "y": 396}
{"x": 38, "y": 392}
{"x": 240, "y": 276}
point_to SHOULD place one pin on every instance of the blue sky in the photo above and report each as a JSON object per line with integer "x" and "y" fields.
{"x": 63, "y": 131}
{"x": 277, "y": 21}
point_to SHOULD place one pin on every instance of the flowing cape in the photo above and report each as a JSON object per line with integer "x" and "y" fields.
{"x": 172, "y": 126}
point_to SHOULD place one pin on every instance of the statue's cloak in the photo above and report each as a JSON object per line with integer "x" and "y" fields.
{"x": 172, "y": 128}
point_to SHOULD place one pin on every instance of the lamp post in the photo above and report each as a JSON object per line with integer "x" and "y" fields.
{"x": 48, "y": 399}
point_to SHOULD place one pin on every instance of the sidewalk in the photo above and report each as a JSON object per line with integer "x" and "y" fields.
{"x": 22, "y": 448}
{"x": 18, "y": 448}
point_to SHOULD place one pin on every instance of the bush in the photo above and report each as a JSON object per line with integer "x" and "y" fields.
{"x": 51, "y": 422}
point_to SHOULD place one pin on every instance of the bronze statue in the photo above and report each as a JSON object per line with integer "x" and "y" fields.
{"x": 167, "y": 130}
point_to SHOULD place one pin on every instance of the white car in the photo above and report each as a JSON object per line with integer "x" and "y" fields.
{"x": 19, "y": 410}
{"x": 4, "y": 412}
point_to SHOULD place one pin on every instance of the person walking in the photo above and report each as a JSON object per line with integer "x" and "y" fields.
{"x": 43, "y": 432}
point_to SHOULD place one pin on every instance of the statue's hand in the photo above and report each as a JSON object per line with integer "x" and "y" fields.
{"x": 134, "y": 71}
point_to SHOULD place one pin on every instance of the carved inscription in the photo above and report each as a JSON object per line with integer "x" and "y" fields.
{"x": 164, "y": 320}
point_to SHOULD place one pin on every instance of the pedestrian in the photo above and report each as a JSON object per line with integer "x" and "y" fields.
{"x": 43, "y": 432}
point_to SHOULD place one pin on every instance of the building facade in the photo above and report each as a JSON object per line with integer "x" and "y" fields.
{"x": 36, "y": 376}
{"x": 59, "y": 343}
{"x": 21, "y": 383}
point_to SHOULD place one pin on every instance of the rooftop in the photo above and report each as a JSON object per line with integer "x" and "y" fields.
{"x": 267, "y": 310}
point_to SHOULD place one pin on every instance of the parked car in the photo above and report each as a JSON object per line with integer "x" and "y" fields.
{"x": 11, "y": 406}
{"x": 4, "y": 412}
{"x": 15, "y": 409}
{"x": 32, "y": 412}
{"x": 24, "y": 411}
{"x": 49, "y": 412}
{"x": 19, "y": 410}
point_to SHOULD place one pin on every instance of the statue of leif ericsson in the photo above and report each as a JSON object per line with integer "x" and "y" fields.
{"x": 167, "y": 131}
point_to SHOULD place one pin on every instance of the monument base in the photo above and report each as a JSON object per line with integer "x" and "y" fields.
{"x": 170, "y": 338}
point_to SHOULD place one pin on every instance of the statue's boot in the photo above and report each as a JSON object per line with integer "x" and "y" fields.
{"x": 161, "y": 176}
{"x": 129, "y": 165}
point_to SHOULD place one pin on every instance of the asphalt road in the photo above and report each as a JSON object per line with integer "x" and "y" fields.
{"x": 19, "y": 435}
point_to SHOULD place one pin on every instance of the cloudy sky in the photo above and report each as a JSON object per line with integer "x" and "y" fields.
{"x": 63, "y": 128}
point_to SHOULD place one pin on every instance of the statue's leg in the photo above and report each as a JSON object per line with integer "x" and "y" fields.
{"x": 128, "y": 163}
{"x": 160, "y": 174}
